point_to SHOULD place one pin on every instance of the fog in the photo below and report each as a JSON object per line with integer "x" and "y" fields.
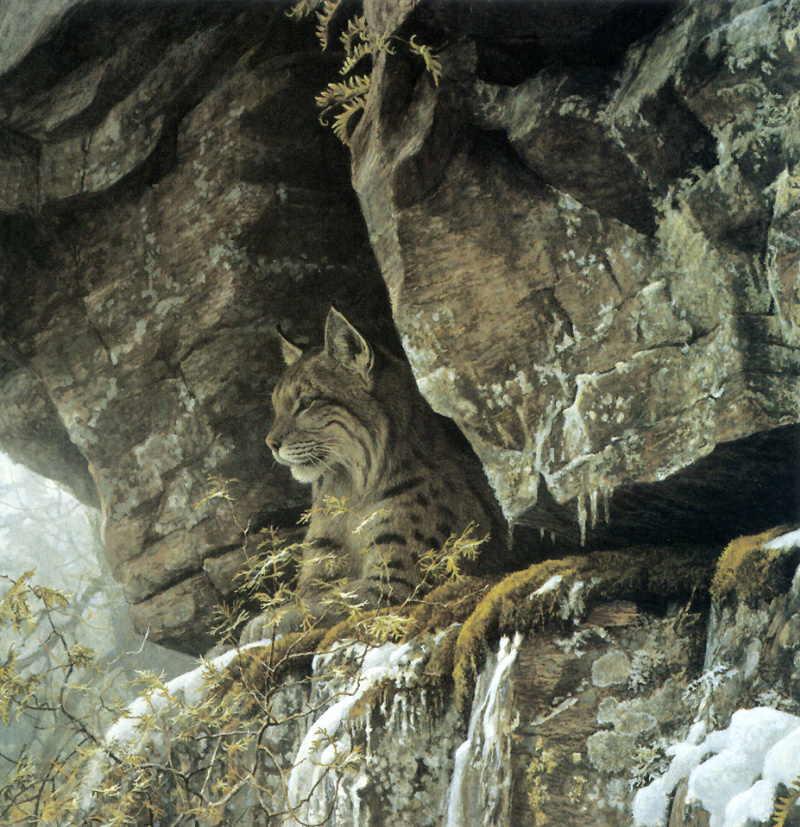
{"x": 42, "y": 527}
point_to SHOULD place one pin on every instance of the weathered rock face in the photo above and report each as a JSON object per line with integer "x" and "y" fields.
{"x": 589, "y": 234}
{"x": 592, "y": 262}
{"x": 587, "y": 230}
{"x": 179, "y": 201}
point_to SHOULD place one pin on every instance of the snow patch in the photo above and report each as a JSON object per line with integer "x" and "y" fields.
{"x": 737, "y": 784}
{"x": 188, "y": 688}
{"x": 313, "y": 786}
{"x": 786, "y": 542}
{"x": 549, "y": 586}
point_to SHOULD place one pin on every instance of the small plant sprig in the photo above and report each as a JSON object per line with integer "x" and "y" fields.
{"x": 784, "y": 805}
{"x": 53, "y": 693}
{"x": 446, "y": 564}
{"x": 197, "y": 750}
{"x": 358, "y": 42}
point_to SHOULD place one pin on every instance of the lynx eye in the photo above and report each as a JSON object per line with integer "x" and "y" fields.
{"x": 304, "y": 403}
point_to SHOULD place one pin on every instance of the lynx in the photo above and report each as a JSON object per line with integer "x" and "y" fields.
{"x": 350, "y": 421}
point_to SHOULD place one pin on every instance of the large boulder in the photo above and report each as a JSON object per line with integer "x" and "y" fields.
{"x": 586, "y": 229}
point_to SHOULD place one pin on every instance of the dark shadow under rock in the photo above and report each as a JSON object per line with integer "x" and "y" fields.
{"x": 741, "y": 487}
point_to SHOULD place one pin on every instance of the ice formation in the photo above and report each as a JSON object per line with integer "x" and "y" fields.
{"x": 482, "y": 772}
{"x": 314, "y": 792}
{"x": 786, "y": 542}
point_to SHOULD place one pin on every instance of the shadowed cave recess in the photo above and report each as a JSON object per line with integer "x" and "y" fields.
{"x": 742, "y": 487}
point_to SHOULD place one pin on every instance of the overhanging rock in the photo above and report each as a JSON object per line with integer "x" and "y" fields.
{"x": 596, "y": 279}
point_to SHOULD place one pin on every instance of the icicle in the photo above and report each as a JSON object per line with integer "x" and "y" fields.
{"x": 368, "y": 735}
{"x": 582, "y": 516}
{"x": 361, "y": 783}
{"x": 314, "y": 792}
{"x": 593, "y": 502}
{"x": 481, "y": 781}
{"x": 312, "y": 787}
{"x": 607, "y": 505}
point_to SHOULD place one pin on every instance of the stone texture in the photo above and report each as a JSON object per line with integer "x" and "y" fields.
{"x": 31, "y": 433}
{"x": 593, "y": 270}
{"x": 23, "y": 23}
{"x": 584, "y": 717}
{"x": 569, "y": 723}
{"x": 587, "y": 230}
{"x": 185, "y": 208}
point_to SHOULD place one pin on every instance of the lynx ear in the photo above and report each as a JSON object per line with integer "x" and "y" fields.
{"x": 291, "y": 352}
{"x": 347, "y": 346}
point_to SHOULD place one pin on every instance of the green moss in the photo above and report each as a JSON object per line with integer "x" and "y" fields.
{"x": 646, "y": 573}
{"x": 373, "y": 696}
{"x": 504, "y": 609}
{"x": 452, "y": 602}
{"x": 480, "y": 610}
{"x": 746, "y": 568}
{"x": 443, "y": 658}
{"x": 661, "y": 572}
{"x": 351, "y": 628}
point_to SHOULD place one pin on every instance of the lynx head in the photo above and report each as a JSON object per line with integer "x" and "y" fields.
{"x": 326, "y": 416}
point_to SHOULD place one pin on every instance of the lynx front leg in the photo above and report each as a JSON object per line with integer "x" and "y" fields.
{"x": 317, "y": 600}
{"x": 327, "y": 569}
{"x": 390, "y": 572}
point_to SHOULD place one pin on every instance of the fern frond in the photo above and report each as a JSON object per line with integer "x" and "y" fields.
{"x": 341, "y": 123}
{"x": 432, "y": 63}
{"x": 344, "y": 93}
{"x": 783, "y": 805}
{"x": 357, "y": 30}
{"x": 358, "y": 33}
{"x": 302, "y": 8}
{"x": 357, "y": 54}
{"x": 324, "y": 17}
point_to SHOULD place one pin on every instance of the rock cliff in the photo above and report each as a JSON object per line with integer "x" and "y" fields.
{"x": 585, "y": 230}
{"x": 586, "y": 707}
{"x": 173, "y": 202}
{"x": 586, "y": 227}
{"x": 582, "y": 221}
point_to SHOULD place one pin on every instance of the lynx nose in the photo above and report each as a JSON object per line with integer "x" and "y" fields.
{"x": 274, "y": 443}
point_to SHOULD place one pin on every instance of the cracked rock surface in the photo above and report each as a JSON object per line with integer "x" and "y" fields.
{"x": 591, "y": 256}
{"x": 588, "y": 232}
{"x": 181, "y": 201}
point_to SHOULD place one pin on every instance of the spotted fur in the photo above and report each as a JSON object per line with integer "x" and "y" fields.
{"x": 350, "y": 421}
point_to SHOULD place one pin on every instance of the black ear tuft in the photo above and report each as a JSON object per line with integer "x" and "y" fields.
{"x": 347, "y": 346}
